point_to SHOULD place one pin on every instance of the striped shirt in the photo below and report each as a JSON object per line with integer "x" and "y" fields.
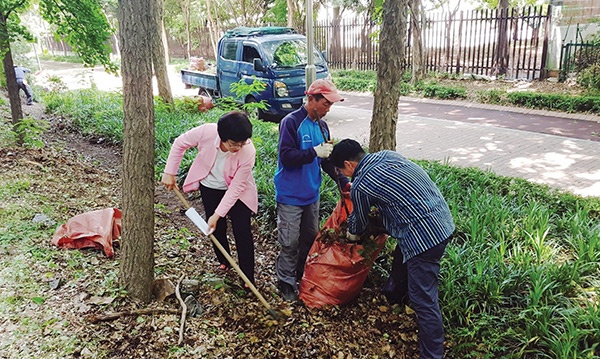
{"x": 411, "y": 206}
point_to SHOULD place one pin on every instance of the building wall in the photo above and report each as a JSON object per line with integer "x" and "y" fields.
{"x": 578, "y": 11}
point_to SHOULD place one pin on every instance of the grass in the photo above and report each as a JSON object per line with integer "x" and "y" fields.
{"x": 520, "y": 279}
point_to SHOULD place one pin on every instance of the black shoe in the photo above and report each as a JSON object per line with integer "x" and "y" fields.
{"x": 287, "y": 292}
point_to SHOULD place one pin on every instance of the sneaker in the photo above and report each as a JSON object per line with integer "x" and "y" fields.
{"x": 288, "y": 293}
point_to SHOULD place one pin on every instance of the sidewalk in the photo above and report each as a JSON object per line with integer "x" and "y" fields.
{"x": 566, "y": 163}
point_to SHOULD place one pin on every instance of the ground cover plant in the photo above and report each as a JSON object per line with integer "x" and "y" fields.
{"x": 520, "y": 279}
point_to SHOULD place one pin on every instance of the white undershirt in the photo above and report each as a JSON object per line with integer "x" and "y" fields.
{"x": 216, "y": 179}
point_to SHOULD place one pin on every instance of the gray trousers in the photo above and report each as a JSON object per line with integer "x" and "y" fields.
{"x": 297, "y": 228}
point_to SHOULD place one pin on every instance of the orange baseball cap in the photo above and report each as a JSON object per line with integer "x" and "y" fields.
{"x": 326, "y": 88}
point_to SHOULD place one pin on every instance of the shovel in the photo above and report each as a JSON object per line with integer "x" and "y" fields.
{"x": 195, "y": 217}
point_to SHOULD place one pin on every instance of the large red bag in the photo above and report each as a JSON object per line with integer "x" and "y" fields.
{"x": 335, "y": 271}
{"x": 95, "y": 229}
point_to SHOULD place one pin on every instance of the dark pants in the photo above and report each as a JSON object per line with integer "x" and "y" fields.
{"x": 417, "y": 281}
{"x": 239, "y": 215}
{"x": 27, "y": 91}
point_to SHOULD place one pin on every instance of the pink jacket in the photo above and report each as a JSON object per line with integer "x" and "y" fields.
{"x": 237, "y": 172}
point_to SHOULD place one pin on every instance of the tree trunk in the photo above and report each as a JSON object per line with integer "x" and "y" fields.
{"x": 185, "y": 8}
{"x": 291, "y": 12}
{"x": 501, "y": 60}
{"x": 389, "y": 76}
{"x": 11, "y": 80}
{"x": 137, "y": 262}
{"x": 211, "y": 28}
{"x": 418, "y": 67}
{"x": 159, "y": 61}
{"x": 335, "y": 49}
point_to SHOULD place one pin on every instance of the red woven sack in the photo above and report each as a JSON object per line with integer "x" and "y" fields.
{"x": 96, "y": 229}
{"x": 334, "y": 273}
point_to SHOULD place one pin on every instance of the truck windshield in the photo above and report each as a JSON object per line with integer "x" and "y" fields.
{"x": 290, "y": 53}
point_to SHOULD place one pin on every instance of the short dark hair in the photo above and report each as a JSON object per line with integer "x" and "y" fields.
{"x": 317, "y": 96}
{"x": 346, "y": 150}
{"x": 234, "y": 126}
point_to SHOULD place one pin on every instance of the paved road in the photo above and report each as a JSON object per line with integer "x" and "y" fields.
{"x": 502, "y": 140}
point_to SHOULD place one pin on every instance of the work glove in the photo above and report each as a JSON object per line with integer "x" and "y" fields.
{"x": 352, "y": 237}
{"x": 323, "y": 150}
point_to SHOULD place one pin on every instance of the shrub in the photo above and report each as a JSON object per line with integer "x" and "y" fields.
{"x": 589, "y": 78}
{"x": 434, "y": 90}
{"x": 496, "y": 97}
{"x": 556, "y": 102}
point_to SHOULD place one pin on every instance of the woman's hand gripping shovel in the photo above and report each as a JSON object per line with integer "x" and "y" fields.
{"x": 195, "y": 217}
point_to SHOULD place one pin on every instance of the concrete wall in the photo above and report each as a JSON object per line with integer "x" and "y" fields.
{"x": 572, "y": 21}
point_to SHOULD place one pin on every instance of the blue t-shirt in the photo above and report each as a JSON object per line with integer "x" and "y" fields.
{"x": 298, "y": 175}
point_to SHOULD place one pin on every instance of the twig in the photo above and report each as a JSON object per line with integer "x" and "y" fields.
{"x": 183, "y": 310}
{"x": 144, "y": 311}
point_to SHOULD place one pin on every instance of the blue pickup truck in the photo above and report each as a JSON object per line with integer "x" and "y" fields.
{"x": 276, "y": 56}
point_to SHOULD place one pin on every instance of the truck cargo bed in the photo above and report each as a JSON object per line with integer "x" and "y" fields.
{"x": 200, "y": 79}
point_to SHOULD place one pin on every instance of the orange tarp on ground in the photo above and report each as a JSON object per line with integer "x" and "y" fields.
{"x": 95, "y": 229}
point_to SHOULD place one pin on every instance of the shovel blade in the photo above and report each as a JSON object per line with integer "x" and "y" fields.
{"x": 195, "y": 217}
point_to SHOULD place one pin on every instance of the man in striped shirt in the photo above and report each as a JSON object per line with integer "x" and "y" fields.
{"x": 415, "y": 213}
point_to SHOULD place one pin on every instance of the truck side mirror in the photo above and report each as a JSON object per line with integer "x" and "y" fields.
{"x": 258, "y": 64}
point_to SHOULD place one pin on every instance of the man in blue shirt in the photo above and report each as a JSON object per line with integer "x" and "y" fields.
{"x": 20, "y": 75}
{"x": 304, "y": 145}
{"x": 415, "y": 213}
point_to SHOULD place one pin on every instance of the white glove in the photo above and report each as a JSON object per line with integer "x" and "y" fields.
{"x": 323, "y": 150}
{"x": 352, "y": 237}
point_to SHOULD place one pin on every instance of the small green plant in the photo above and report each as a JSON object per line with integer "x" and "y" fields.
{"x": 56, "y": 84}
{"x": 30, "y": 130}
{"x": 590, "y": 77}
{"x": 245, "y": 90}
{"x": 444, "y": 92}
{"x": 495, "y": 97}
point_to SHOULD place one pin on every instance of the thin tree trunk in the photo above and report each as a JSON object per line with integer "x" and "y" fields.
{"x": 159, "y": 59}
{"x": 416, "y": 16}
{"x": 136, "y": 273}
{"x": 291, "y": 12}
{"x": 211, "y": 24}
{"x": 389, "y": 76}
{"x": 9, "y": 72}
{"x": 501, "y": 60}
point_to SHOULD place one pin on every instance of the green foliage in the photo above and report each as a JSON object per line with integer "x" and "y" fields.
{"x": 30, "y": 131}
{"x": 352, "y": 80}
{"x": 245, "y": 90}
{"x": 557, "y": 102}
{"x": 444, "y": 92}
{"x": 590, "y": 77}
{"x": 95, "y": 113}
{"x": 84, "y": 26}
{"x": 495, "y": 97}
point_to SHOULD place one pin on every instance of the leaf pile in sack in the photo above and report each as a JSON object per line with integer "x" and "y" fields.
{"x": 336, "y": 269}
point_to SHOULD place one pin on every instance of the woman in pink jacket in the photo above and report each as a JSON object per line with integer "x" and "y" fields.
{"x": 222, "y": 171}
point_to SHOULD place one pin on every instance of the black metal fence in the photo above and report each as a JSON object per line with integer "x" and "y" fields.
{"x": 575, "y": 57}
{"x": 510, "y": 42}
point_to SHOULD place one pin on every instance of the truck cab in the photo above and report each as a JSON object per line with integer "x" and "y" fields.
{"x": 276, "y": 56}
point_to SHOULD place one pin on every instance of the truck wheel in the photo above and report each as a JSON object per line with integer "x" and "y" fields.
{"x": 204, "y": 92}
{"x": 260, "y": 114}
